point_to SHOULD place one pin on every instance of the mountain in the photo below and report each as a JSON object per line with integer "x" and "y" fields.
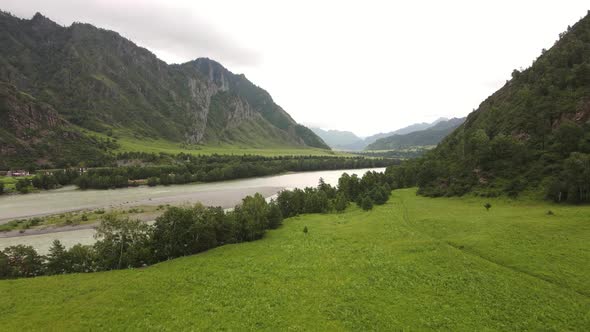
{"x": 405, "y": 130}
{"x": 32, "y": 131}
{"x": 98, "y": 80}
{"x": 428, "y": 137}
{"x": 532, "y": 134}
{"x": 338, "y": 139}
{"x": 348, "y": 141}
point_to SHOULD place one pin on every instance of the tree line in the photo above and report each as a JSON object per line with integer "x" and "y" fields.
{"x": 181, "y": 231}
{"x": 188, "y": 168}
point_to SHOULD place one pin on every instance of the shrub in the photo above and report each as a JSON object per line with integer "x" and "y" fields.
{"x": 152, "y": 182}
{"x": 367, "y": 203}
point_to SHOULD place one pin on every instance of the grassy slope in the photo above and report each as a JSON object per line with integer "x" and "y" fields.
{"x": 128, "y": 143}
{"x": 414, "y": 263}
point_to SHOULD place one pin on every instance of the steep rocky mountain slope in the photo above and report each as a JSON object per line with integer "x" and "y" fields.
{"x": 427, "y": 137}
{"x": 533, "y": 133}
{"x": 33, "y": 132}
{"x": 98, "y": 80}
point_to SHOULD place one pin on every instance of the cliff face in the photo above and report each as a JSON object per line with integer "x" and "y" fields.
{"x": 32, "y": 132}
{"x": 97, "y": 79}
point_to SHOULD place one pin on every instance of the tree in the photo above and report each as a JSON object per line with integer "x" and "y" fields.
{"x": 24, "y": 261}
{"x": 275, "y": 216}
{"x": 122, "y": 243}
{"x": 487, "y": 206}
{"x": 316, "y": 201}
{"x": 341, "y": 202}
{"x": 81, "y": 259}
{"x": 305, "y": 231}
{"x": 5, "y": 268}
{"x": 57, "y": 259}
{"x": 185, "y": 231}
{"x": 367, "y": 203}
{"x": 252, "y": 218}
{"x": 567, "y": 137}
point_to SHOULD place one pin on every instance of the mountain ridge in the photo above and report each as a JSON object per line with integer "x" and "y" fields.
{"x": 348, "y": 141}
{"x": 98, "y": 80}
{"x": 426, "y": 137}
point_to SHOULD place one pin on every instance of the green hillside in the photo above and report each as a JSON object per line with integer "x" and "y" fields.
{"x": 100, "y": 81}
{"x": 415, "y": 263}
{"x": 533, "y": 133}
{"x": 427, "y": 137}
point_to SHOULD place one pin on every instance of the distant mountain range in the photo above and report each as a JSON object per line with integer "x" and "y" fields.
{"x": 91, "y": 78}
{"x": 427, "y": 137}
{"x": 346, "y": 140}
{"x": 338, "y": 139}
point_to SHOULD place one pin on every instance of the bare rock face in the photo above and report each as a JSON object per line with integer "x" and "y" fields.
{"x": 24, "y": 115}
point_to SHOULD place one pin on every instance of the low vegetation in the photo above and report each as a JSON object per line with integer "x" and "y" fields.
{"x": 415, "y": 263}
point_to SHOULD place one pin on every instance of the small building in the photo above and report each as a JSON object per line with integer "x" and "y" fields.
{"x": 17, "y": 173}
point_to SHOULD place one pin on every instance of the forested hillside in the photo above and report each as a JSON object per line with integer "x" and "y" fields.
{"x": 98, "y": 80}
{"x": 533, "y": 133}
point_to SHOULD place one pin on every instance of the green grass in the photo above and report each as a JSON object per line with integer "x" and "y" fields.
{"x": 128, "y": 143}
{"x": 83, "y": 217}
{"x": 415, "y": 263}
{"x": 9, "y": 181}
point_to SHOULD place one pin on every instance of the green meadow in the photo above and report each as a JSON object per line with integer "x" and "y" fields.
{"x": 128, "y": 143}
{"x": 414, "y": 263}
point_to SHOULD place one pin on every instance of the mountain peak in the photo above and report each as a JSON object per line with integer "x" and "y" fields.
{"x": 39, "y": 20}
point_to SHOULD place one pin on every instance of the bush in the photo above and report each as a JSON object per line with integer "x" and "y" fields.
{"x": 367, "y": 203}
{"x": 152, "y": 182}
{"x": 23, "y": 186}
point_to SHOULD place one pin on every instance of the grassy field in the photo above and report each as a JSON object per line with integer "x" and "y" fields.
{"x": 128, "y": 143}
{"x": 415, "y": 263}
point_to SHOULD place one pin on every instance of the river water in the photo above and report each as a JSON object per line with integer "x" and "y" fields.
{"x": 225, "y": 193}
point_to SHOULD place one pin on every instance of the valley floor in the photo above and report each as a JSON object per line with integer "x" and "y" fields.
{"x": 415, "y": 263}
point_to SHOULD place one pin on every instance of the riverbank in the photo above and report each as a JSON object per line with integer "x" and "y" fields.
{"x": 73, "y": 203}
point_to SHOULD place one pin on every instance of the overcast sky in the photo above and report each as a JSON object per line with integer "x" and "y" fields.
{"x": 363, "y": 66}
